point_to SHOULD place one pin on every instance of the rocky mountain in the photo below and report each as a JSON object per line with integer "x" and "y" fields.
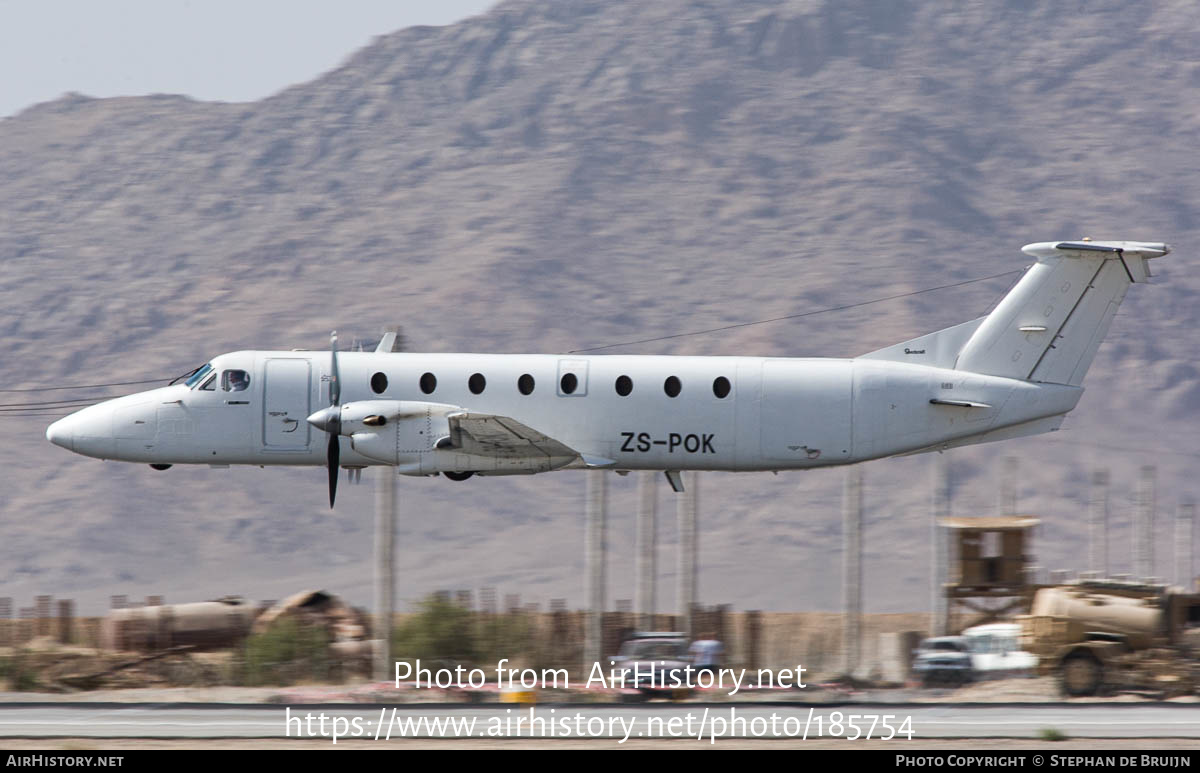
{"x": 561, "y": 174}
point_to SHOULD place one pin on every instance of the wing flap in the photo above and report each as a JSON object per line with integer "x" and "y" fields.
{"x": 488, "y": 435}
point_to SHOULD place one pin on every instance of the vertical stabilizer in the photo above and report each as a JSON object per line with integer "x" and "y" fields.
{"x": 1051, "y": 323}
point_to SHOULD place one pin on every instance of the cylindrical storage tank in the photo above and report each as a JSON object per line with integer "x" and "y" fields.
{"x": 1139, "y": 619}
{"x": 202, "y": 625}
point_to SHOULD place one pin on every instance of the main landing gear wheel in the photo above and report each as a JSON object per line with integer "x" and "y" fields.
{"x": 458, "y": 476}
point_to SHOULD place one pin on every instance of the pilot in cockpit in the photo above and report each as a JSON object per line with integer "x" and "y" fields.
{"x": 236, "y": 380}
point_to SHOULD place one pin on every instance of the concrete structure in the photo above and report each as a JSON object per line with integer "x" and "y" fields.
{"x": 385, "y": 571}
{"x": 646, "y": 566}
{"x": 1098, "y": 524}
{"x": 7, "y": 626}
{"x": 1185, "y": 541}
{"x": 896, "y": 655}
{"x": 1143, "y": 531}
{"x": 852, "y": 516}
{"x": 42, "y": 615}
{"x": 937, "y": 564}
{"x": 689, "y": 550}
{"x": 66, "y": 621}
{"x": 1006, "y": 492}
{"x": 595, "y": 551}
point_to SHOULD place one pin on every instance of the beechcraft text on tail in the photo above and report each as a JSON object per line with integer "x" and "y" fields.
{"x": 1015, "y": 372}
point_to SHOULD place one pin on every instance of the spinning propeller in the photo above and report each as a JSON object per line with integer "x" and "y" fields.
{"x": 330, "y": 420}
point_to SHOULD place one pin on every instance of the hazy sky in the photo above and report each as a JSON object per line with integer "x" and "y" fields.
{"x": 229, "y": 50}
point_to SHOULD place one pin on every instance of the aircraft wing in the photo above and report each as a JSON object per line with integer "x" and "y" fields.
{"x": 488, "y": 435}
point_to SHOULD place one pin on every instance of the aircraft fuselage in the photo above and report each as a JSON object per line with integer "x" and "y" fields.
{"x": 728, "y": 413}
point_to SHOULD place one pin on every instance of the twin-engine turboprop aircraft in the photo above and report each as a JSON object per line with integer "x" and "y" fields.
{"x": 1014, "y": 372}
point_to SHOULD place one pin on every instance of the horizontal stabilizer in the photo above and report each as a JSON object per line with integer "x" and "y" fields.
{"x": 1025, "y": 429}
{"x": 1132, "y": 255}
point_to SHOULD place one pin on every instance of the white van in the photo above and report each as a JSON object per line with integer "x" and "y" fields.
{"x": 996, "y": 651}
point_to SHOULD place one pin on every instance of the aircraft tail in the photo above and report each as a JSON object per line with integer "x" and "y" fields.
{"x": 1049, "y": 326}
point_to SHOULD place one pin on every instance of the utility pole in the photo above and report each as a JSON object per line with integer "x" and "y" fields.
{"x": 646, "y": 568}
{"x": 1185, "y": 537}
{"x": 385, "y": 570}
{"x": 1098, "y": 524}
{"x": 937, "y": 542}
{"x": 1144, "y": 525}
{"x": 852, "y": 523}
{"x": 596, "y": 553}
{"x": 689, "y": 545}
{"x": 385, "y": 544}
{"x": 1006, "y": 502}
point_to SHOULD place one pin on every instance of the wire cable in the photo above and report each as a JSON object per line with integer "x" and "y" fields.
{"x": 86, "y": 386}
{"x": 797, "y": 316}
{"x": 52, "y": 403}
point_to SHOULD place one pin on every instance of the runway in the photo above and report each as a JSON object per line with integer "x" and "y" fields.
{"x": 702, "y": 722}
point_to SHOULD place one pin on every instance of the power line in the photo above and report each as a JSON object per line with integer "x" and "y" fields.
{"x": 1004, "y": 293}
{"x": 797, "y": 316}
{"x": 594, "y": 348}
{"x": 86, "y": 386}
{"x": 34, "y": 415}
{"x": 14, "y": 412}
{"x": 51, "y": 403}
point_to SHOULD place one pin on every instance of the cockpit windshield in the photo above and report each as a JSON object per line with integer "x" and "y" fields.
{"x": 198, "y": 375}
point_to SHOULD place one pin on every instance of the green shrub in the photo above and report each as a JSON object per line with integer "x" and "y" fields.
{"x": 21, "y": 678}
{"x": 286, "y": 653}
{"x": 1051, "y": 734}
{"x": 506, "y": 636}
{"x": 442, "y": 632}
{"x": 25, "y": 680}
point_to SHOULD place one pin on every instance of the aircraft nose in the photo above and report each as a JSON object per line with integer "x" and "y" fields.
{"x": 60, "y": 433}
{"x": 88, "y": 432}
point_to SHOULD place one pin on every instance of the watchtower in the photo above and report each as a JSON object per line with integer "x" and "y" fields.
{"x": 990, "y": 568}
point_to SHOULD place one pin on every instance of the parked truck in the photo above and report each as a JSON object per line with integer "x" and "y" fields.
{"x": 1109, "y": 635}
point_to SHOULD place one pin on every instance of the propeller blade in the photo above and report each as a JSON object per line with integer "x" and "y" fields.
{"x": 330, "y": 419}
{"x": 334, "y": 458}
{"x": 335, "y": 384}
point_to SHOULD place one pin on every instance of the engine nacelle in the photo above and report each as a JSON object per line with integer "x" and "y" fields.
{"x": 373, "y": 415}
{"x": 396, "y": 432}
